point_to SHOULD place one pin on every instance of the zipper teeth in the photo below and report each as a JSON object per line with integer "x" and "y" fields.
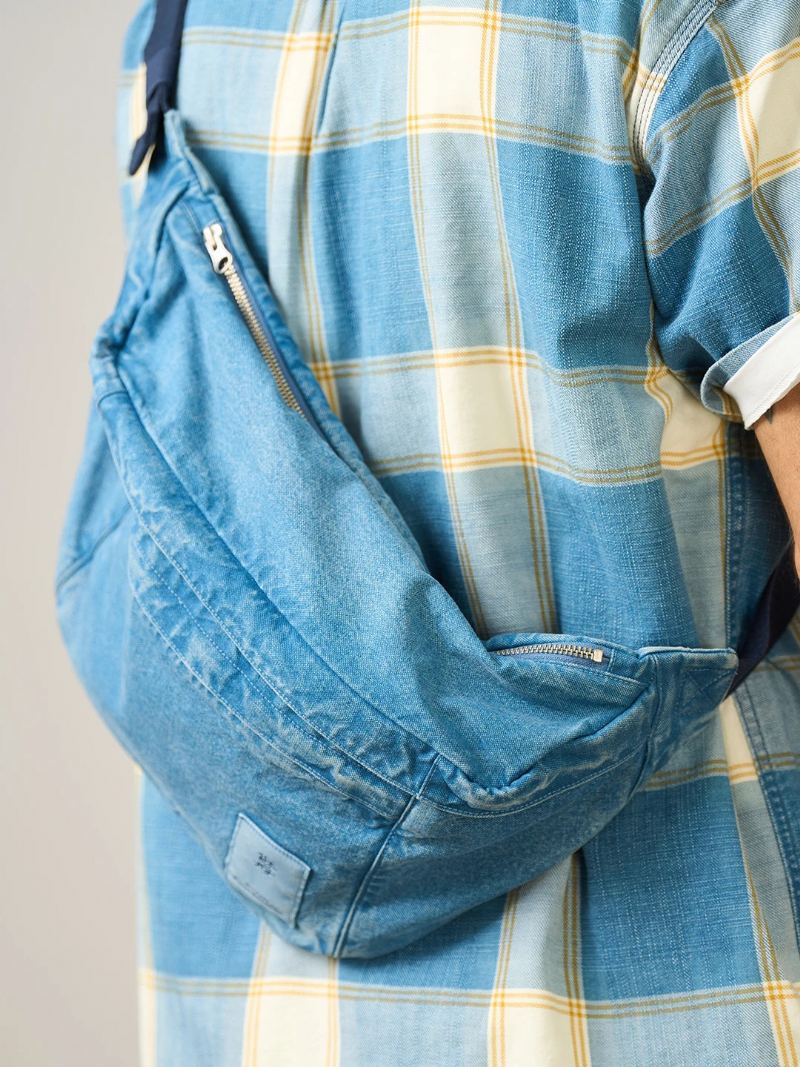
{"x": 581, "y": 651}
{"x": 223, "y": 263}
{"x": 239, "y": 293}
{"x": 253, "y": 323}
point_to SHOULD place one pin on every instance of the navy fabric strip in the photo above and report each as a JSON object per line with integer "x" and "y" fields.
{"x": 775, "y": 608}
{"x": 161, "y": 55}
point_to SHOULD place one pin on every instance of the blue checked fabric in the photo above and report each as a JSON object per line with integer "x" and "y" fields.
{"x": 524, "y": 248}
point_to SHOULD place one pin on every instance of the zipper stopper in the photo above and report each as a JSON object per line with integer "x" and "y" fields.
{"x": 597, "y": 655}
{"x": 219, "y": 253}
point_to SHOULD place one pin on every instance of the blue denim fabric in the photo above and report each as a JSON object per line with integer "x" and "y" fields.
{"x": 256, "y": 623}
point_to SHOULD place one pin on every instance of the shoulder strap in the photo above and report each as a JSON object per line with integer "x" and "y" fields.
{"x": 773, "y": 613}
{"x": 161, "y": 55}
{"x": 781, "y": 597}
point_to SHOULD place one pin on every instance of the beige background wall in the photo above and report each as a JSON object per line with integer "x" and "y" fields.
{"x": 67, "y": 793}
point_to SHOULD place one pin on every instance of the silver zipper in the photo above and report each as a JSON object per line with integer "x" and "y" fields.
{"x": 581, "y": 651}
{"x": 222, "y": 262}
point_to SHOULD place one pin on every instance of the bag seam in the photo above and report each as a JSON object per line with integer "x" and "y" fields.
{"x": 275, "y": 687}
{"x": 128, "y": 392}
{"x": 179, "y": 200}
{"x": 369, "y": 874}
{"x": 539, "y": 800}
{"x": 78, "y": 563}
{"x": 140, "y": 411}
{"x": 243, "y": 723}
{"x": 439, "y": 757}
{"x": 267, "y": 677}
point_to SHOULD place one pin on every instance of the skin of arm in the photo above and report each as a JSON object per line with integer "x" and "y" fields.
{"x": 778, "y": 433}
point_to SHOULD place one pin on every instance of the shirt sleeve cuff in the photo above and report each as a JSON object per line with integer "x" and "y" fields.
{"x": 770, "y": 369}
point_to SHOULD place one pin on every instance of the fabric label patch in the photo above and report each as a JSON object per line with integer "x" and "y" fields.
{"x": 264, "y": 871}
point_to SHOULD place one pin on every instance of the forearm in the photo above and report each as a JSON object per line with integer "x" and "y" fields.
{"x": 778, "y": 433}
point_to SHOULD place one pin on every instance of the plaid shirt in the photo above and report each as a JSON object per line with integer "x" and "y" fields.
{"x": 544, "y": 259}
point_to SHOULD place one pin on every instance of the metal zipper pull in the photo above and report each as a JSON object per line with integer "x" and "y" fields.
{"x": 578, "y": 651}
{"x": 221, "y": 258}
{"x": 222, "y": 261}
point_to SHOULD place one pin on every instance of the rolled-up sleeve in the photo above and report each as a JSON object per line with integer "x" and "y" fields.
{"x": 762, "y": 370}
{"x": 721, "y": 219}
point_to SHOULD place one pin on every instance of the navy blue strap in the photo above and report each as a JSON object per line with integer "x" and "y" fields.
{"x": 774, "y": 610}
{"x": 161, "y": 55}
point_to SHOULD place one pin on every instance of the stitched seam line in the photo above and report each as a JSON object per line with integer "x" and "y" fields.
{"x": 273, "y": 684}
{"x": 540, "y": 800}
{"x": 139, "y": 410}
{"x": 373, "y": 867}
{"x": 584, "y": 781}
{"x": 128, "y": 392}
{"x": 244, "y": 727}
{"x": 326, "y": 740}
{"x": 77, "y": 564}
{"x": 666, "y": 63}
{"x": 657, "y": 715}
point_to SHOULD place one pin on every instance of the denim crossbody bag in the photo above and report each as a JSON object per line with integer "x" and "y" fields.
{"x": 254, "y": 620}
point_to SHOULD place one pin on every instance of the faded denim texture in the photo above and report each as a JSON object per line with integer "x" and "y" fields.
{"x": 522, "y": 439}
{"x": 263, "y": 658}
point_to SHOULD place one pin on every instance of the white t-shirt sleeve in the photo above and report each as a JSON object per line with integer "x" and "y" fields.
{"x": 769, "y": 373}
